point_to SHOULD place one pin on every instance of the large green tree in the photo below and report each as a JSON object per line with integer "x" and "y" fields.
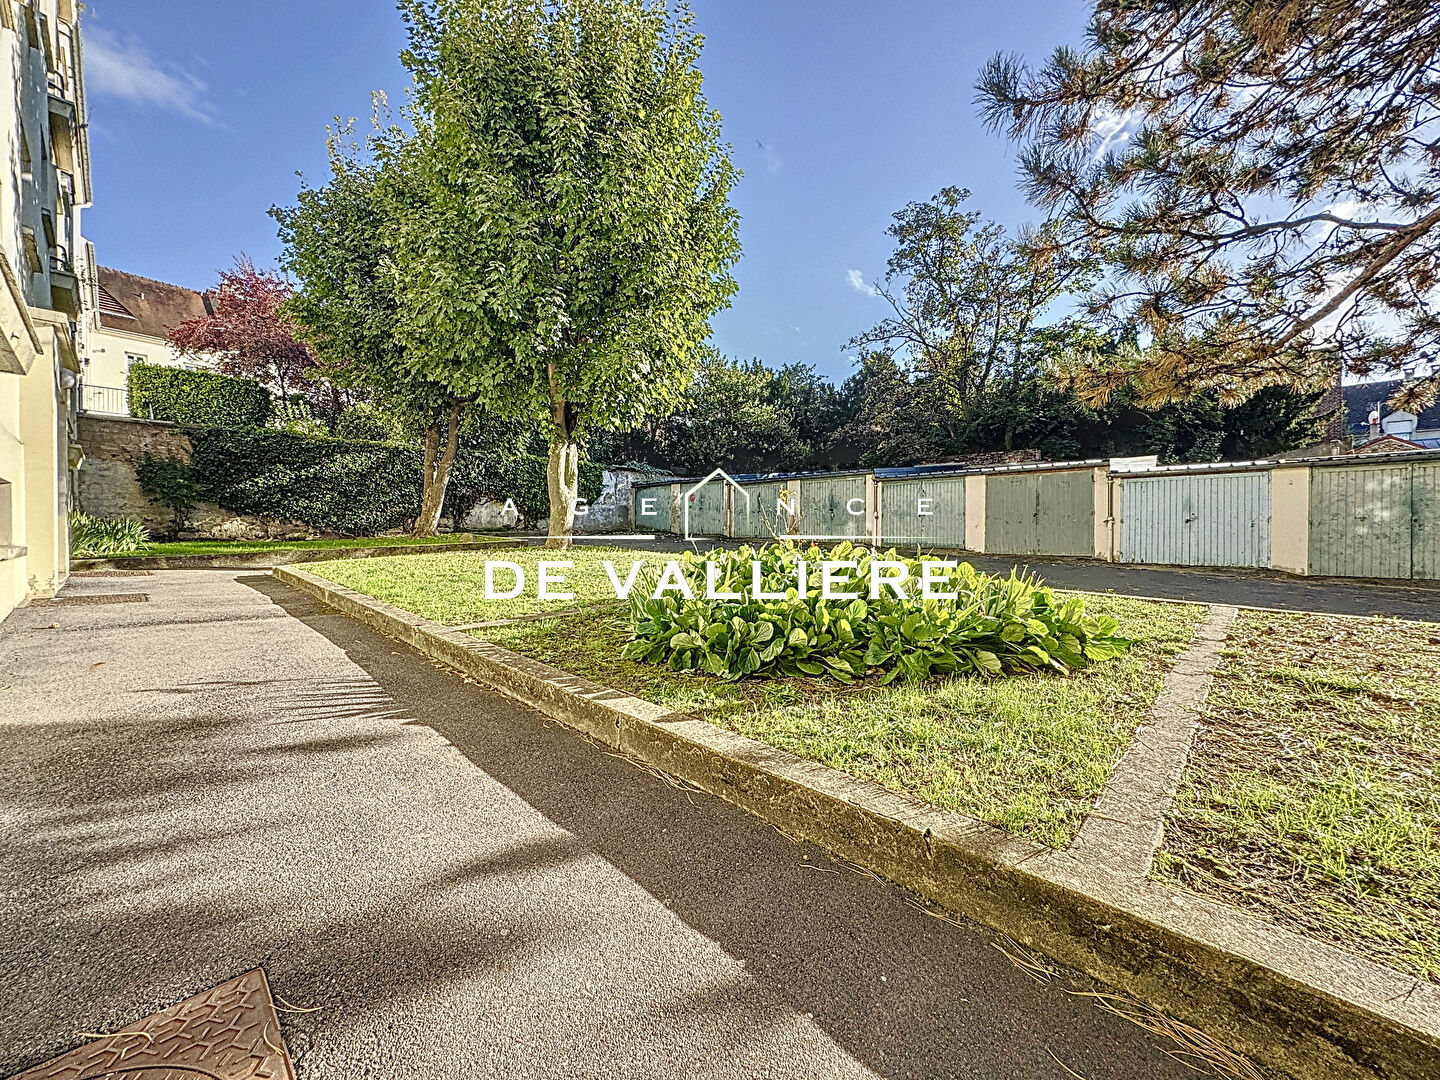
{"x": 571, "y": 234}
{"x": 742, "y": 416}
{"x": 966, "y": 300}
{"x": 1262, "y": 178}
{"x": 347, "y": 305}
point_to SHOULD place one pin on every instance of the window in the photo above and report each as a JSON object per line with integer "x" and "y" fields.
{"x": 7, "y": 513}
{"x": 132, "y": 358}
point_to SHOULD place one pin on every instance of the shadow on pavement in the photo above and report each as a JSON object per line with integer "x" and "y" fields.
{"x": 904, "y": 993}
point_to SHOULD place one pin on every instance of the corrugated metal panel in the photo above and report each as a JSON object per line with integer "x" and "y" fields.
{"x": 707, "y": 509}
{"x": 762, "y": 521}
{"x": 1040, "y": 513}
{"x": 824, "y": 507}
{"x": 1360, "y": 521}
{"x": 1010, "y": 511}
{"x": 658, "y": 498}
{"x": 903, "y": 525}
{"x": 1065, "y": 513}
{"x": 1196, "y": 520}
{"x": 1425, "y": 512}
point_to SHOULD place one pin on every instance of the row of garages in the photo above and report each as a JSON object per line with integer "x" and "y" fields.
{"x": 1375, "y": 517}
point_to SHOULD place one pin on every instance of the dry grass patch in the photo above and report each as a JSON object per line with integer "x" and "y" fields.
{"x": 1312, "y": 796}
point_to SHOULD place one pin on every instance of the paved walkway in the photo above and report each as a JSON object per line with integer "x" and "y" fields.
{"x": 228, "y": 775}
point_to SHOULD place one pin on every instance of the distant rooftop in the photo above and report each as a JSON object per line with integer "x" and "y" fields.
{"x": 144, "y": 306}
{"x": 1360, "y": 398}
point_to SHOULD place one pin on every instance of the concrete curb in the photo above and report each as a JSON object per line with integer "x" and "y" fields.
{"x": 1279, "y": 997}
{"x": 266, "y": 560}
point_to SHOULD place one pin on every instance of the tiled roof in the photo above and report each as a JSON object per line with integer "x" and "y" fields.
{"x": 144, "y": 306}
{"x": 1387, "y": 444}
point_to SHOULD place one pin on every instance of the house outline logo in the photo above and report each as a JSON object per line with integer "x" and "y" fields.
{"x": 690, "y": 494}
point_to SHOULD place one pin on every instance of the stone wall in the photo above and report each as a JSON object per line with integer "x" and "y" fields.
{"x": 107, "y": 485}
{"x": 609, "y": 513}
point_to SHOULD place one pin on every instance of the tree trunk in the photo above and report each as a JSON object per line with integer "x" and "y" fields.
{"x": 562, "y": 473}
{"x": 436, "y": 470}
{"x": 562, "y": 481}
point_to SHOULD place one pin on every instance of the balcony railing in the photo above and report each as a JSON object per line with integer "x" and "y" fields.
{"x": 107, "y": 400}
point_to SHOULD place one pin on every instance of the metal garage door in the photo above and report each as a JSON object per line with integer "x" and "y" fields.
{"x": 658, "y": 500}
{"x": 1361, "y": 520}
{"x": 825, "y": 507}
{"x": 902, "y": 524}
{"x": 707, "y": 509}
{"x": 1049, "y": 513}
{"x": 1207, "y": 520}
{"x": 762, "y": 521}
{"x": 1425, "y": 515}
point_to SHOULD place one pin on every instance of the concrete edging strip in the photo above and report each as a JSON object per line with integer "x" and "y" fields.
{"x": 266, "y": 560}
{"x": 1128, "y": 822}
{"x": 1277, "y": 996}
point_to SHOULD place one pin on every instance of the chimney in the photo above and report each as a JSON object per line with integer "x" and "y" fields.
{"x": 1374, "y": 423}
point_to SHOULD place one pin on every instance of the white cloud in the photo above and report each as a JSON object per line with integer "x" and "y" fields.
{"x": 859, "y": 284}
{"x": 123, "y": 67}
{"x": 1112, "y": 128}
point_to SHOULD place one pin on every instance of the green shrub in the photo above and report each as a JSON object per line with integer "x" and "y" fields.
{"x": 336, "y": 485}
{"x": 296, "y": 415}
{"x": 369, "y": 422}
{"x": 170, "y": 481}
{"x": 92, "y": 537}
{"x": 196, "y": 397}
{"x": 996, "y": 626}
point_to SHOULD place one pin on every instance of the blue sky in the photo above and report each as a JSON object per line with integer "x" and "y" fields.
{"x": 840, "y": 111}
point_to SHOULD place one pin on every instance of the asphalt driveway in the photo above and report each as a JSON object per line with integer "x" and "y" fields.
{"x": 1207, "y": 585}
{"x": 228, "y": 775}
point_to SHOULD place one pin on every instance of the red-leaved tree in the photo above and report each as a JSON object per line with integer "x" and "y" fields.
{"x": 248, "y": 331}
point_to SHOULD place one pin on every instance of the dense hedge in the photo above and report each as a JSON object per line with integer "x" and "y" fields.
{"x": 196, "y": 397}
{"x": 335, "y": 485}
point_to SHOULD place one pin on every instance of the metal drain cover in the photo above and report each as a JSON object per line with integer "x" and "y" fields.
{"x": 230, "y": 1032}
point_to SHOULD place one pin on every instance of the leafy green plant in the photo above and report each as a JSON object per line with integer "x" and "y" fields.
{"x": 169, "y": 480}
{"x": 94, "y": 537}
{"x": 994, "y": 626}
{"x": 182, "y": 396}
{"x": 370, "y": 422}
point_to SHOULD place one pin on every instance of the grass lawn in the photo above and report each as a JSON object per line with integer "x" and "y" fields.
{"x": 1028, "y": 753}
{"x": 1312, "y": 796}
{"x": 449, "y": 587}
{"x": 247, "y": 547}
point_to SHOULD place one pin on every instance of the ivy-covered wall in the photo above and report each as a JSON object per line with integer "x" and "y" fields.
{"x": 196, "y": 480}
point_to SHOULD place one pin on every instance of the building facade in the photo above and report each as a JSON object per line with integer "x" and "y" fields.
{"x": 47, "y": 270}
{"x": 131, "y": 324}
